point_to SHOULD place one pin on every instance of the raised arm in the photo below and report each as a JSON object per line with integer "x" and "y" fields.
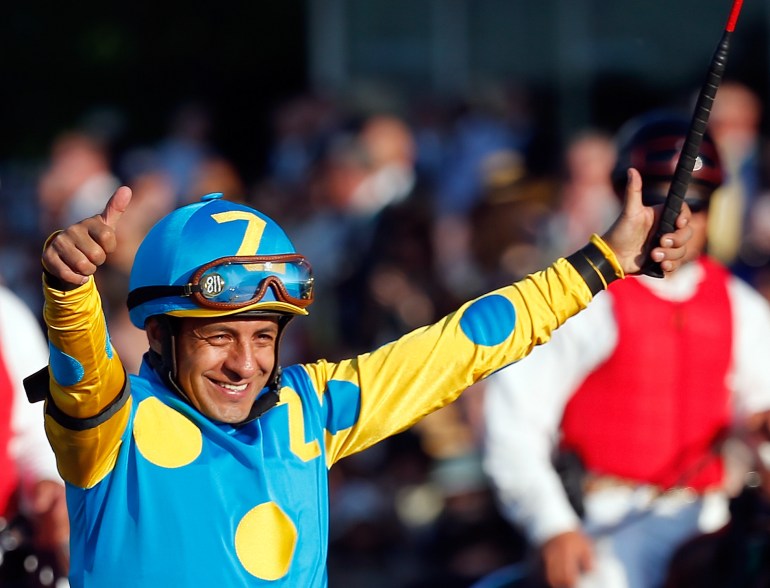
{"x": 88, "y": 405}
{"x": 631, "y": 235}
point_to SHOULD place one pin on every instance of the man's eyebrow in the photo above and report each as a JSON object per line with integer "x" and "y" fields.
{"x": 226, "y": 327}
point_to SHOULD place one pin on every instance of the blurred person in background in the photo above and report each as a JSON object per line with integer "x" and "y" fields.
{"x": 739, "y": 229}
{"x": 75, "y": 181}
{"x": 324, "y": 221}
{"x": 607, "y": 465}
{"x": 371, "y": 537}
{"x": 370, "y": 221}
{"x": 185, "y": 147}
{"x": 467, "y": 539}
{"x": 508, "y": 224}
{"x": 34, "y": 530}
{"x": 526, "y": 219}
{"x": 217, "y": 173}
{"x": 154, "y": 196}
{"x": 301, "y": 126}
{"x": 493, "y": 125}
{"x": 144, "y": 456}
{"x": 587, "y": 200}
{"x": 391, "y": 289}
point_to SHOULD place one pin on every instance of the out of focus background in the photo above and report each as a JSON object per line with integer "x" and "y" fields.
{"x": 418, "y": 152}
{"x": 585, "y": 61}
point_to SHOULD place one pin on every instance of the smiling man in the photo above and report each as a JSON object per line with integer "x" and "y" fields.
{"x": 222, "y": 365}
{"x": 209, "y": 467}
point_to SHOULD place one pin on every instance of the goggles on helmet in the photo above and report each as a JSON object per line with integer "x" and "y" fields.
{"x": 230, "y": 283}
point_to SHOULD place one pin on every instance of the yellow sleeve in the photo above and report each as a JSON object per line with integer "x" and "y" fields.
{"x": 83, "y": 421}
{"x": 428, "y": 368}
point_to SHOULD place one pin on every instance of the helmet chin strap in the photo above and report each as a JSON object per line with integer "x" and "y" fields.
{"x": 165, "y": 366}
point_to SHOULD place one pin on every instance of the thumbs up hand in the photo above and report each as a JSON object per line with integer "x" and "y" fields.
{"x": 74, "y": 254}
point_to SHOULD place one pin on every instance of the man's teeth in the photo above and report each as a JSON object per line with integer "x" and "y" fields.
{"x": 233, "y": 387}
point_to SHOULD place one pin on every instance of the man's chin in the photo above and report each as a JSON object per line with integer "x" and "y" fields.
{"x": 230, "y": 413}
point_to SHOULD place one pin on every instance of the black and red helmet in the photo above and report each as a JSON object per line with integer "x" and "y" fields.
{"x": 652, "y": 144}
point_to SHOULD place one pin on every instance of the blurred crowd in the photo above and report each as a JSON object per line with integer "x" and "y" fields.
{"x": 404, "y": 214}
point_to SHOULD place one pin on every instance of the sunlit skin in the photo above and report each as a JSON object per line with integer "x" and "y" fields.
{"x": 222, "y": 363}
{"x": 698, "y": 221}
{"x": 697, "y": 244}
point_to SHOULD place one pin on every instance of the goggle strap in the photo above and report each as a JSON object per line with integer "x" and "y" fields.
{"x": 144, "y": 294}
{"x": 147, "y": 293}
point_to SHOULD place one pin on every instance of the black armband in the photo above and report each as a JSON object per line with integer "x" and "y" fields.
{"x": 594, "y": 267}
{"x": 36, "y": 385}
{"x": 76, "y": 424}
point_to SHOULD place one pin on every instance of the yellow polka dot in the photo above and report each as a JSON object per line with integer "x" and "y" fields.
{"x": 265, "y": 540}
{"x": 165, "y": 437}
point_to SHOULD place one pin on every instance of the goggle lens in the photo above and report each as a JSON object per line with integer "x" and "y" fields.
{"x": 239, "y": 281}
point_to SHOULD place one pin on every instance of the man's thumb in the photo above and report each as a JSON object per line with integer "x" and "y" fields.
{"x": 633, "y": 189}
{"x": 116, "y": 206}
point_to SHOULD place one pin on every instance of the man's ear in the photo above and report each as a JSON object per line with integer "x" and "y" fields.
{"x": 155, "y": 332}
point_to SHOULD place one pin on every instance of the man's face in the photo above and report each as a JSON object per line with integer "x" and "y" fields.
{"x": 223, "y": 363}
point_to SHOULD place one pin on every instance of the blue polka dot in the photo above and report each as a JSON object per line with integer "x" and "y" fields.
{"x": 343, "y": 402}
{"x": 489, "y": 321}
{"x": 66, "y": 370}
{"x": 108, "y": 346}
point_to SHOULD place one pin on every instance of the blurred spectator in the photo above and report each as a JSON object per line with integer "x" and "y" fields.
{"x": 367, "y": 544}
{"x": 430, "y": 121}
{"x": 154, "y": 196}
{"x": 325, "y": 221}
{"x": 494, "y": 126}
{"x": 301, "y": 126}
{"x": 468, "y": 538}
{"x": 217, "y": 174}
{"x": 492, "y": 122}
{"x": 34, "y": 530}
{"x": 587, "y": 200}
{"x": 735, "y": 237}
{"x": 371, "y": 216}
{"x": 20, "y": 229}
{"x": 392, "y": 287}
{"x": 389, "y": 145}
{"x": 74, "y": 184}
{"x": 185, "y": 147}
{"x": 508, "y": 225}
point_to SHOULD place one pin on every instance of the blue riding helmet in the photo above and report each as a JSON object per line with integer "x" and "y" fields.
{"x": 217, "y": 258}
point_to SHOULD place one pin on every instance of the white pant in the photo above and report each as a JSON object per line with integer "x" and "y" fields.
{"x": 636, "y": 533}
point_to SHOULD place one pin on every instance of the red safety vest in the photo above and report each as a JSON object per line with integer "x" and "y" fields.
{"x": 9, "y": 475}
{"x": 655, "y": 410}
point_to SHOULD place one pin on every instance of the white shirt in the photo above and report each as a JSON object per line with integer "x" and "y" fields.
{"x": 25, "y": 351}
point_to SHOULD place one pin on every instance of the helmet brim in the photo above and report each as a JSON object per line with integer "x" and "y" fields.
{"x": 274, "y": 306}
